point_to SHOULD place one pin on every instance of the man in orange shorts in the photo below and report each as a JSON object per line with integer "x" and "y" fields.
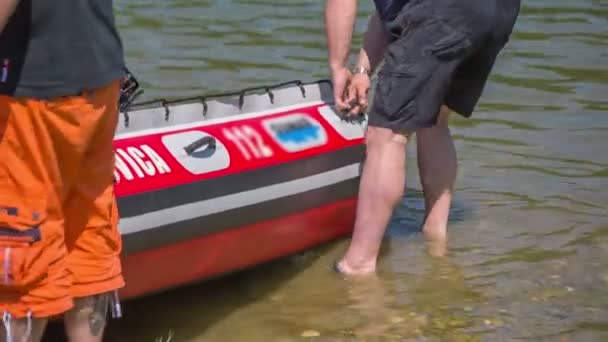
{"x": 61, "y": 63}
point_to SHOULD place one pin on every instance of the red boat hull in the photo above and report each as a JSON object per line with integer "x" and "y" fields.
{"x": 209, "y": 256}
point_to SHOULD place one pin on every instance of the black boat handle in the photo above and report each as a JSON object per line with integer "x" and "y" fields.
{"x": 206, "y": 140}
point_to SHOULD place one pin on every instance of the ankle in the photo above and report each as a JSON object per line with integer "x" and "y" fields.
{"x": 359, "y": 267}
{"x": 437, "y": 247}
{"x": 436, "y": 236}
{"x": 435, "y": 231}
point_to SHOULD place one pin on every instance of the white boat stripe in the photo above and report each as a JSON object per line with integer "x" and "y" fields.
{"x": 219, "y": 204}
{"x": 207, "y": 122}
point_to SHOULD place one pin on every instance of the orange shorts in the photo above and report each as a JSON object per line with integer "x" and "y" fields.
{"x": 58, "y": 216}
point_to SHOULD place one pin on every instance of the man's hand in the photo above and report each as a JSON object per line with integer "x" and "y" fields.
{"x": 350, "y": 92}
{"x": 339, "y": 23}
{"x": 340, "y": 80}
{"x": 358, "y": 90}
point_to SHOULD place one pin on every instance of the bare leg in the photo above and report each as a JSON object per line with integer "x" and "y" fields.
{"x": 381, "y": 189}
{"x": 86, "y": 322}
{"x": 437, "y": 164}
{"x": 22, "y": 330}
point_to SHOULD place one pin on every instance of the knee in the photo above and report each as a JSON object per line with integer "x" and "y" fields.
{"x": 379, "y": 137}
{"x": 385, "y": 163}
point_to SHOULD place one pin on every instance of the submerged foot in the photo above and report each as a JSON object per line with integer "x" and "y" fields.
{"x": 436, "y": 238}
{"x": 437, "y": 248}
{"x": 343, "y": 267}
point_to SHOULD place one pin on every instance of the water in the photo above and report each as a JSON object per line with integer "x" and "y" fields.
{"x": 528, "y": 249}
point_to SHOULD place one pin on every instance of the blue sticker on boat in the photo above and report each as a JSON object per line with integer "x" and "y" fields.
{"x": 296, "y": 132}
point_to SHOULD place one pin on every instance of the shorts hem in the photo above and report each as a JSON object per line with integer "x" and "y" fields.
{"x": 41, "y": 310}
{"x": 460, "y": 110}
{"x": 92, "y": 289}
{"x": 399, "y": 129}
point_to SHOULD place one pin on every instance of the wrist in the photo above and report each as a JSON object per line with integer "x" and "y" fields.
{"x": 334, "y": 67}
{"x": 361, "y": 70}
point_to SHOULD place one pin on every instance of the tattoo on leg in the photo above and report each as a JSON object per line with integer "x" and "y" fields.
{"x": 95, "y": 308}
{"x": 97, "y": 319}
{"x": 96, "y": 323}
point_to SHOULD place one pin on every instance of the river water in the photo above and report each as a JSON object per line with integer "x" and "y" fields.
{"x": 528, "y": 249}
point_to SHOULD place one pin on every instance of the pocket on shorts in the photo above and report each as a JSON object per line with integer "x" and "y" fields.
{"x": 450, "y": 42}
{"x": 22, "y": 263}
{"x": 398, "y": 89}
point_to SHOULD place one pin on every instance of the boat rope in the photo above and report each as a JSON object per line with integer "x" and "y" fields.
{"x": 130, "y": 91}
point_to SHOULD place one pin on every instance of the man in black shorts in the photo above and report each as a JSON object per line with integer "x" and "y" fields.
{"x": 438, "y": 55}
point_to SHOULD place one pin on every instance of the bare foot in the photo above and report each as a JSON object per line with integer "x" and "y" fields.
{"x": 343, "y": 267}
{"x": 436, "y": 238}
{"x": 437, "y": 248}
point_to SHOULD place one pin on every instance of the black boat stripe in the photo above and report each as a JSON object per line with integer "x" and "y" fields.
{"x": 236, "y": 218}
{"x": 215, "y": 205}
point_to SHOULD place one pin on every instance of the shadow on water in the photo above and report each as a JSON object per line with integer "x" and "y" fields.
{"x": 191, "y": 311}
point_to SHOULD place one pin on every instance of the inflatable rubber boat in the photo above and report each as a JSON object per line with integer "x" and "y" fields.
{"x": 214, "y": 184}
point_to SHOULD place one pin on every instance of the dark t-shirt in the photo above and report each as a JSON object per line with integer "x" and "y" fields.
{"x": 388, "y": 9}
{"x": 53, "y": 48}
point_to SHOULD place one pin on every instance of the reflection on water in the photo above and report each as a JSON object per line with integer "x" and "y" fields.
{"x": 528, "y": 252}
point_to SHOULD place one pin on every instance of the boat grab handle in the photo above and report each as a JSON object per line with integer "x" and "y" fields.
{"x": 206, "y": 140}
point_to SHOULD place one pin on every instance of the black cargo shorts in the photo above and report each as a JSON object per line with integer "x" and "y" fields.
{"x": 442, "y": 53}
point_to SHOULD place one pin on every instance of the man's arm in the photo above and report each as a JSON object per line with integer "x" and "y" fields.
{"x": 374, "y": 44}
{"x": 339, "y": 23}
{"x": 7, "y": 7}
